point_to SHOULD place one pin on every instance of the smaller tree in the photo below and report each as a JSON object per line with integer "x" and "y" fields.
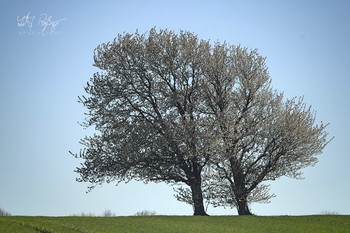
{"x": 108, "y": 213}
{"x": 146, "y": 213}
{"x": 262, "y": 135}
{"x": 4, "y": 213}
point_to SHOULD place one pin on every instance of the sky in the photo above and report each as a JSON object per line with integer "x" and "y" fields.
{"x": 44, "y": 68}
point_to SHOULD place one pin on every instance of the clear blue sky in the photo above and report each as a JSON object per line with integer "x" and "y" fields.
{"x": 307, "y": 48}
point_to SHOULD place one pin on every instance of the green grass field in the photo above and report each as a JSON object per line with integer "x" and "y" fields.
{"x": 164, "y": 224}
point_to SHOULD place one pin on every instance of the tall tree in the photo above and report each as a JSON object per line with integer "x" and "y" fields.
{"x": 147, "y": 107}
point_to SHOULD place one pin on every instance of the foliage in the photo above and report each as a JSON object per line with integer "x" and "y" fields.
{"x": 172, "y": 224}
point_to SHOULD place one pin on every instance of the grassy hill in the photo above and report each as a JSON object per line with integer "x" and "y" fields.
{"x": 168, "y": 224}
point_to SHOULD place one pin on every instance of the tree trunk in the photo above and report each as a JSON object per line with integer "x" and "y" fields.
{"x": 243, "y": 208}
{"x": 240, "y": 192}
{"x": 197, "y": 198}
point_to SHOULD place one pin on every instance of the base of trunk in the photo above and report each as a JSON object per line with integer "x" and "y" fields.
{"x": 245, "y": 213}
{"x": 197, "y": 198}
{"x": 200, "y": 213}
{"x": 243, "y": 208}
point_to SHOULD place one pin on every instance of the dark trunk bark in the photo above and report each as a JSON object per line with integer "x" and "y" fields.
{"x": 243, "y": 208}
{"x": 241, "y": 192}
{"x": 197, "y": 198}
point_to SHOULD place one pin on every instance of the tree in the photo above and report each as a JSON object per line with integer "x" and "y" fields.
{"x": 176, "y": 109}
{"x": 108, "y": 213}
{"x": 4, "y": 213}
{"x": 262, "y": 135}
{"x": 147, "y": 108}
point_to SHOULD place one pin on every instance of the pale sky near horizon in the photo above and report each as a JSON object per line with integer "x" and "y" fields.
{"x": 43, "y": 70}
